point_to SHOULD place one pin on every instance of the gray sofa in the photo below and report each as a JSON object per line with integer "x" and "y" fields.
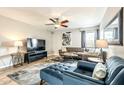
{"x": 71, "y": 50}
{"x": 80, "y": 53}
{"x": 61, "y": 74}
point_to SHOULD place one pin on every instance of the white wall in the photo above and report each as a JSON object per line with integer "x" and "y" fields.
{"x": 15, "y": 30}
{"x": 110, "y": 13}
{"x": 57, "y": 42}
{"x": 76, "y": 38}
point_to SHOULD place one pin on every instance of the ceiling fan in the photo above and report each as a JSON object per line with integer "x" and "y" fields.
{"x": 57, "y": 23}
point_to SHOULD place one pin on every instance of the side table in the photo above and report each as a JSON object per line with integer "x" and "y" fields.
{"x": 93, "y": 59}
{"x": 17, "y": 59}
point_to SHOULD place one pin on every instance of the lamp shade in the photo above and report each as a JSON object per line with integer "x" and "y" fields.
{"x": 18, "y": 43}
{"x": 101, "y": 43}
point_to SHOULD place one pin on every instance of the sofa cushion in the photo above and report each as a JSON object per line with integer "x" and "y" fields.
{"x": 74, "y": 49}
{"x": 114, "y": 64}
{"x": 72, "y": 78}
{"x": 51, "y": 76}
{"x": 99, "y": 72}
{"x": 86, "y": 65}
{"x": 63, "y": 49}
{"x": 53, "y": 73}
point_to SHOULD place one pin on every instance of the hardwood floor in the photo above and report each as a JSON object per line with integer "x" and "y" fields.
{"x": 4, "y": 80}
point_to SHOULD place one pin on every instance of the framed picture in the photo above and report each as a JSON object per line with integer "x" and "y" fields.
{"x": 66, "y": 38}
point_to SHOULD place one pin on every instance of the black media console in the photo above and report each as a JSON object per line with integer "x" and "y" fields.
{"x": 35, "y": 55}
{"x": 35, "y": 49}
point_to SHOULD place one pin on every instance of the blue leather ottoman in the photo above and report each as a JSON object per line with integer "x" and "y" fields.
{"x": 53, "y": 74}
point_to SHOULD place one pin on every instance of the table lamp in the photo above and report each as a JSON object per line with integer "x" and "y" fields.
{"x": 101, "y": 44}
{"x": 18, "y": 44}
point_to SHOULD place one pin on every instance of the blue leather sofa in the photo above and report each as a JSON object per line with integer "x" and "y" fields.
{"x": 61, "y": 74}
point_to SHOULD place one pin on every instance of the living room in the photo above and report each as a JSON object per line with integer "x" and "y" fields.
{"x": 43, "y": 37}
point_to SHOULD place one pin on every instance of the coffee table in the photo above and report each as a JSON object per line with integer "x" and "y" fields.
{"x": 86, "y": 55}
{"x": 70, "y": 55}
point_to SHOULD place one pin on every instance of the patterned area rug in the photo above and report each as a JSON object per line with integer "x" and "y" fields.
{"x": 31, "y": 76}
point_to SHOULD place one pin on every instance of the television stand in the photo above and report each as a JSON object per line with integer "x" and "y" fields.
{"x": 35, "y": 55}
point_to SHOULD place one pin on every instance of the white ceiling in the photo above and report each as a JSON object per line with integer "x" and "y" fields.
{"x": 38, "y": 16}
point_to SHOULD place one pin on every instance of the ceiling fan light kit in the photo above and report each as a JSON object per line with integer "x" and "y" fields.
{"x": 58, "y": 23}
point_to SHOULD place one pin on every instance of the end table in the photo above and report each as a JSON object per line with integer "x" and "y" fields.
{"x": 17, "y": 59}
{"x": 93, "y": 59}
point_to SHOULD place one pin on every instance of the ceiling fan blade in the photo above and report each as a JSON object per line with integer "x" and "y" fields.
{"x": 65, "y": 21}
{"x": 49, "y": 24}
{"x": 52, "y": 20}
{"x": 64, "y": 25}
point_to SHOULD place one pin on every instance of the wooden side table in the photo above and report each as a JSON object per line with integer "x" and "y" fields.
{"x": 17, "y": 59}
{"x": 93, "y": 59}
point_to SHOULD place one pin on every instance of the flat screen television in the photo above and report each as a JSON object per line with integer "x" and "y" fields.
{"x": 35, "y": 44}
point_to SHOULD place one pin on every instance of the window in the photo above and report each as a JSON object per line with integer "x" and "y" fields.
{"x": 88, "y": 38}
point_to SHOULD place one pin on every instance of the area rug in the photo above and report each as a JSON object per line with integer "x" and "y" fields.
{"x": 31, "y": 75}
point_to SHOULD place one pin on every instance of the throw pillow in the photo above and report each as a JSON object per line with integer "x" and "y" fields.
{"x": 64, "y": 49}
{"x": 99, "y": 72}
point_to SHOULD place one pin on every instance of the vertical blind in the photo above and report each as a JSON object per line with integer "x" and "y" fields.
{"x": 83, "y": 39}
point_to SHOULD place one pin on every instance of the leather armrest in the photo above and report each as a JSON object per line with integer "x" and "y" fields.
{"x": 83, "y": 78}
{"x": 119, "y": 79}
{"x": 86, "y": 65}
